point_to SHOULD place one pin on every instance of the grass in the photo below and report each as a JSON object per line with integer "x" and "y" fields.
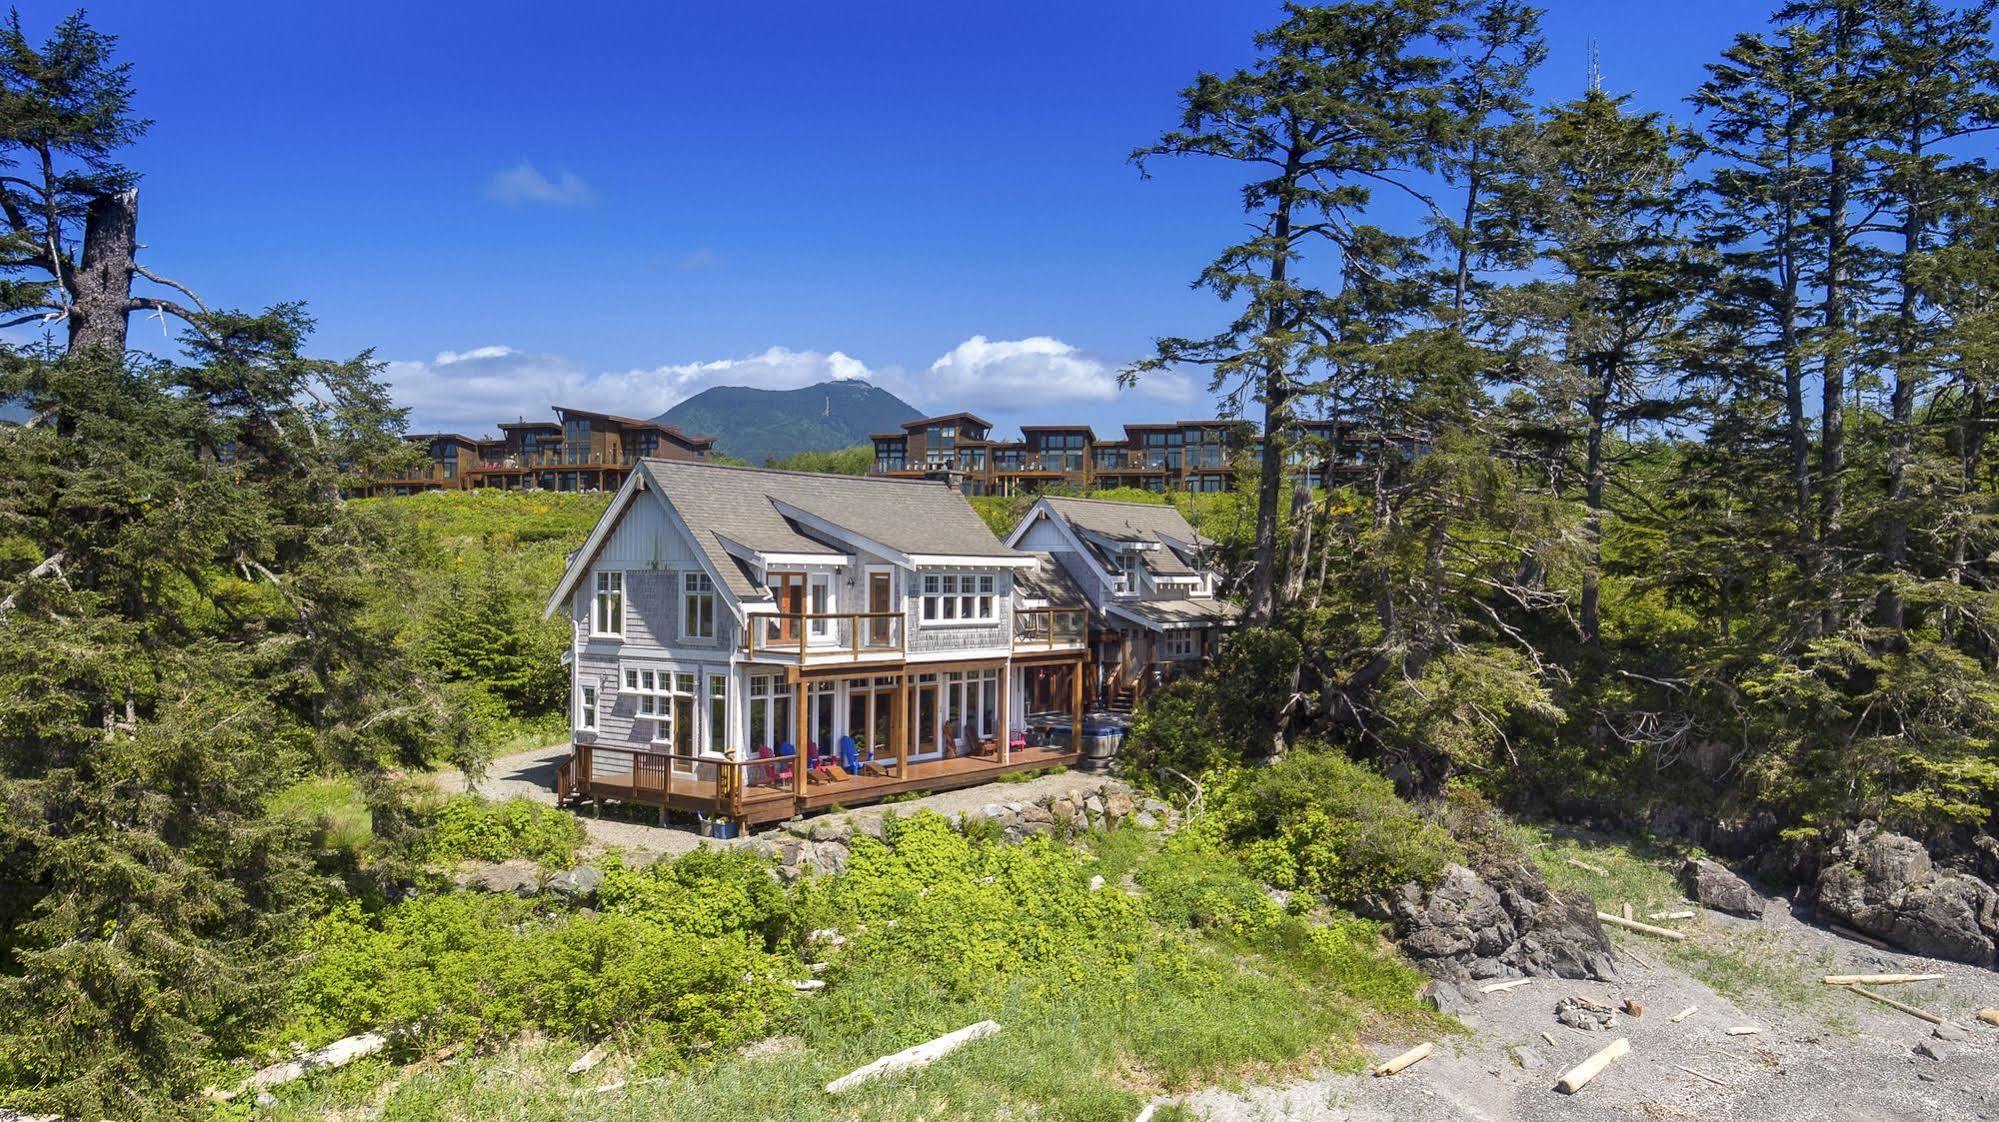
{"x": 1746, "y": 962}
{"x": 332, "y": 806}
{"x": 1246, "y": 993}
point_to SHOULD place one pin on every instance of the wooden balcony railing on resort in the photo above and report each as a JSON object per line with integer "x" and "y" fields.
{"x": 826, "y": 636}
{"x": 1049, "y": 628}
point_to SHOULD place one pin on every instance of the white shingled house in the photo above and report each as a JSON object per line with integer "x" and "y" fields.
{"x": 753, "y": 644}
{"x": 1152, "y": 595}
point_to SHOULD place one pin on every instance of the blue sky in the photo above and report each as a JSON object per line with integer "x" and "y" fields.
{"x": 518, "y": 205}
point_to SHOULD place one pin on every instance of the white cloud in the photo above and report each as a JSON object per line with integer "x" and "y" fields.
{"x": 1005, "y": 374}
{"x": 524, "y": 183}
{"x": 472, "y": 390}
{"x": 1034, "y": 379}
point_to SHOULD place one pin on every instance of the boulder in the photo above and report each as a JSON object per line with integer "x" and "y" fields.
{"x": 1447, "y": 999}
{"x": 519, "y": 878}
{"x": 1884, "y": 884}
{"x": 831, "y": 829}
{"x": 1711, "y": 885}
{"x": 1507, "y": 922}
{"x": 578, "y": 885}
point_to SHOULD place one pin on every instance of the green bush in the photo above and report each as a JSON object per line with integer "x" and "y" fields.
{"x": 1225, "y": 716}
{"x": 332, "y": 807}
{"x": 470, "y": 828}
{"x": 682, "y": 954}
{"x": 1320, "y": 822}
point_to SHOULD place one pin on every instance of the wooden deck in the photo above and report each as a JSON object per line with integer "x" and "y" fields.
{"x": 750, "y": 793}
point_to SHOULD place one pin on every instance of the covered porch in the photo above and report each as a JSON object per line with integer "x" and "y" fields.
{"x": 911, "y": 727}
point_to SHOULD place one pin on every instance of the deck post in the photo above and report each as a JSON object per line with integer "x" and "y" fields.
{"x": 1076, "y": 707}
{"x": 904, "y": 727}
{"x": 798, "y": 742}
{"x": 666, "y": 790}
{"x": 1005, "y": 713}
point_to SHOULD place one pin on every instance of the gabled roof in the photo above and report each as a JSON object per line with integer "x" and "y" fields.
{"x": 1159, "y": 530}
{"x": 766, "y": 511}
{"x": 972, "y": 417}
{"x": 674, "y": 431}
{"x": 1049, "y": 582}
{"x": 1135, "y": 522}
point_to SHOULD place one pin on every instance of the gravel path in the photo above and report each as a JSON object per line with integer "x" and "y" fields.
{"x": 531, "y": 775}
{"x": 1821, "y": 1055}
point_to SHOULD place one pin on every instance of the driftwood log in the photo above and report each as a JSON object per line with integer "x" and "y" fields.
{"x": 1405, "y": 1059}
{"x": 909, "y": 1059}
{"x": 1644, "y": 928}
{"x": 1579, "y": 1076}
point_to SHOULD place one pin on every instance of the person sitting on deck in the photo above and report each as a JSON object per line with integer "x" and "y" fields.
{"x": 785, "y": 751}
{"x": 850, "y": 755}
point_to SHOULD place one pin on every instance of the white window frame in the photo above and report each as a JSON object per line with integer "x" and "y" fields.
{"x": 697, "y": 587}
{"x": 822, "y": 587}
{"x": 609, "y": 585}
{"x": 657, "y": 688}
{"x": 959, "y": 599}
{"x": 1181, "y": 645}
{"x": 586, "y": 708}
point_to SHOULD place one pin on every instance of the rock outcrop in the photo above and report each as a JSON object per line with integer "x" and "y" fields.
{"x": 1505, "y": 922}
{"x": 812, "y": 846}
{"x": 1711, "y": 885}
{"x": 1884, "y": 884}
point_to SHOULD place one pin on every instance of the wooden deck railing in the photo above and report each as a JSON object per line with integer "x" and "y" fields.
{"x": 826, "y": 636}
{"x": 1049, "y": 628}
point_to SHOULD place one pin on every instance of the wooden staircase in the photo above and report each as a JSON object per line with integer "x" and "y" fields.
{"x": 1122, "y": 700}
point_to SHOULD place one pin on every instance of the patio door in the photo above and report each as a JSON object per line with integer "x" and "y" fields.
{"x": 881, "y": 587}
{"x": 789, "y": 589}
{"x": 923, "y": 699}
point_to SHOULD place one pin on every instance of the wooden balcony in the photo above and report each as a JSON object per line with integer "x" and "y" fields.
{"x": 752, "y": 792}
{"x": 826, "y": 638}
{"x": 1050, "y": 629}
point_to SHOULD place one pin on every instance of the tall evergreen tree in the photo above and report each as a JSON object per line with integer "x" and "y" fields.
{"x": 1342, "y": 100}
{"x": 1596, "y": 201}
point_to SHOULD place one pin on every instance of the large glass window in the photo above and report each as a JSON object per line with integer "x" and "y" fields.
{"x": 959, "y": 597}
{"x": 770, "y": 713}
{"x": 697, "y": 606}
{"x": 889, "y": 456}
{"x": 666, "y": 698}
{"x": 608, "y": 618}
{"x": 575, "y": 442}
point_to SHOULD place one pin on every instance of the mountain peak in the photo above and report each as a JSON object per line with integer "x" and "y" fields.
{"x": 762, "y": 425}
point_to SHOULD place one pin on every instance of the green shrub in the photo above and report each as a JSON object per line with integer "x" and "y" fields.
{"x": 1221, "y": 718}
{"x": 470, "y": 828}
{"x": 333, "y": 807}
{"x": 1320, "y": 822}
{"x": 682, "y": 954}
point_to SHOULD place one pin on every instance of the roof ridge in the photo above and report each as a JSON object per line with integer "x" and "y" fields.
{"x": 794, "y": 473}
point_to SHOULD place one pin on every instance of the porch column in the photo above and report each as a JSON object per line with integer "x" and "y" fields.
{"x": 1076, "y": 707}
{"x": 902, "y": 727}
{"x": 1005, "y": 714}
{"x": 798, "y": 737}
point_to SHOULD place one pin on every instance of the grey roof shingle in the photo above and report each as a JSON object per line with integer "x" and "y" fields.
{"x": 911, "y": 516}
{"x": 1191, "y": 612}
{"x": 1134, "y": 522}
{"x": 1049, "y": 581}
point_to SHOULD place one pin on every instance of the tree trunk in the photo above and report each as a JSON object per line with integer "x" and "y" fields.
{"x": 1595, "y": 477}
{"x": 1832, "y": 402}
{"x": 1902, "y": 400}
{"x": 1301, "y": 540}
{"x": 102, "y": 296}
{"x": 1276, "y": 421}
